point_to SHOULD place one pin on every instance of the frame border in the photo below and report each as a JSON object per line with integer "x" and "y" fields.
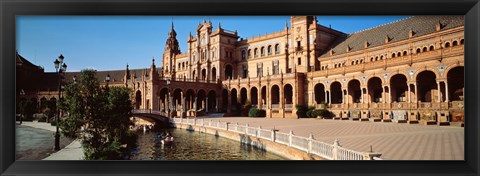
{"x": 10, "y": 8}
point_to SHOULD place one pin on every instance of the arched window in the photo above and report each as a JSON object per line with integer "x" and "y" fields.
{"x": 353, "y": 62}
{"x": 269, "y": 50}
{"x": 243, "y": 55}
{"x": 461, "y": 42}
{"x": 393, "y": 55}
{"x": 399, "y": 54}
{"x": 356, "y": 62}
{"x": 249, "y": 53}
{"x": 277, "y": 49}
{"x": 255, "y": 52}
{"x": 431, "y": 48}
{"x": 361, "y": 61}
{"x": 262, "y": 51}
{"x": 447, "y": 44}
{"x": 404, "y": 53}
{"x": 424, "y": 49}
{"x": 381, "y": 57}
{"x": 418, "y": 50}
{"x": 455, "y": 43}
{"x": 371, "y": 59}
{"x": 376, "y": 58}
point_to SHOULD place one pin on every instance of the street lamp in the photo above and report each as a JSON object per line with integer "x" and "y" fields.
{"x": 107, "y": 79}
{"x": 59, "y": 68}
{"x": 169, "y": 100}
{"x": 74, "y": 79}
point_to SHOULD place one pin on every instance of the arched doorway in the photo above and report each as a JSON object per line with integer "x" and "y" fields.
{"x": 319, "y": 91}
{"x": 336, "y": 92}
{"x": 224, "y": 100}
{"x": 375, "y": 89}
{"x": 212, "y": 101}
{"x": 354, "y": 91}
{"x": 288, "y": 95}
{"x": 233, "y": 98}
{"x": 163, "y": 94}
{"x": 456, "y": 84}
{"x": 399, "y": 88}
{"x": 190, "y": 99}
{"x": 264, "y": 96}
{"x": 228, "y": 72}
{"x": 254, "y": 96}
{"x": 201, "y": 103}
{"x": 177, "y": 100}
{"x": 243, "y": 96}
{"x": 275, "y": 96}
{"x": 427, "y": 87}
{"x": 204, "y": 74}
{"x": 138, "y": 99}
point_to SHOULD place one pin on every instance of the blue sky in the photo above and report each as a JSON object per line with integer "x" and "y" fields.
{"x": 110, "y": 42}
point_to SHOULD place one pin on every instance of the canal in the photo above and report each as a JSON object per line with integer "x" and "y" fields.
{"x": 195, "y": 146}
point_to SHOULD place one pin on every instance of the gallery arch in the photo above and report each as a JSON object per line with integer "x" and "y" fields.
{"x": 427, "y": 87}
{"x": 375, "y": 90}
{"x": 456, "y": 85}
{"x": 336, "y": 93}
{"x": 399, "y": 88}
{"x": 319, "y": 93}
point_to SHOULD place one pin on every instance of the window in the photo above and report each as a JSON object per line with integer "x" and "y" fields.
{"x": 243, "y": 54}
{"x": 404, "y": 53}
{"x": 277, "y": 48}
{"x": 262, "y": 51}
{"x": 399, "y": 54}
{"x": 299, "y": 60}
{"x": 431, "y": 48}
{"x": 461, "y": 42}
{"x": 255, "y": 52}
{"x": 353, "y": 62}
{"x": 418, "y": 50}
{"x": 269, "y": 50}
{"x": 447, "y": 44}
{"x": 249, "y": 54}
{"x": 298, "y": 44}
{"x": 275, "y": 67}
{"x": 424, "y": 49}
{"x": 393, "y": 55}
{"x": 455, "y": 43}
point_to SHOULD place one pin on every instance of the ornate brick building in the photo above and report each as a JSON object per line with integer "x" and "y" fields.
{"x": 406, "y": 71}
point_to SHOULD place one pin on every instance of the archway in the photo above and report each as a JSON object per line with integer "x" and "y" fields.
{"x": 233, "y": 98}
{"x": 204, "y": 74}
{"x": 243, "y": 96}
{"x": 224, "y": 100}
{"x": 214, "y": 74}
{"x": 375, "y": 89}
{"x": 354, "y": 91}
{"x": 456, "y": 84}
{"x": 201, "y": 104}
{"x": 288, "y": 94}
{"x": 138, "y": 99}
{"x": 275, "y": 96}
{"x": 399, "y": 88}
{"x": 177, "y": 100}
{"x": 254, "y": 95}
{"x": 228, "y": 72}
{"x": 190, "y": 99}
{"x": 336, "y": 92}
{"x": 264, "y": 96}
{"x": 163, "y": 94}
{"x": 319, "y": 91}
{"x": 427, "y": 86}
{"x": 212, "y": 101}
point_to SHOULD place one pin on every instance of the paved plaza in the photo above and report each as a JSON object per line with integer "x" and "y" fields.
{"x": 395, "y": 141}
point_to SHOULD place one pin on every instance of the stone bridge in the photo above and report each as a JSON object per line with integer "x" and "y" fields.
{"x": 156, "y": 117}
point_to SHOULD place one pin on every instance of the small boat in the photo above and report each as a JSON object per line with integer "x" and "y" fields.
{"x": 167, "y": 140}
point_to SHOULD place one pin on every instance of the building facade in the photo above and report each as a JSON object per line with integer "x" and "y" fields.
{"x": 409, "y": 70}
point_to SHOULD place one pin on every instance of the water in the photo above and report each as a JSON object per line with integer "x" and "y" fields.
{"x": 195, "y": 146}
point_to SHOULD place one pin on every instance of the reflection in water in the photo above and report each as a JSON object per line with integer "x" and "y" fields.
{"x": 195, "y": 146}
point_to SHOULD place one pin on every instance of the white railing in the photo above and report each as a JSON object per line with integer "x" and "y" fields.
{"x": 328, "y": 151}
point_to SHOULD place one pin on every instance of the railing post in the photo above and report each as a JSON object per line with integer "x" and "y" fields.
{"x": 194, "y": 121}
{"x": 310, "y": 139}
{"x": 336, "y": 144}
{"x": 273, "y": 134}
{"x": 226, "y": 125}
{"x": 258, "y": 131}
{"x": 246, "y": 129}
{"x": 290, "y": 138}
{"x": 236, "y": 126}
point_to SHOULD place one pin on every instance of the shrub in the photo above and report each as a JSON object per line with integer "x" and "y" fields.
{"x": 246, "y": 108}
{"x": 254, "y": 112}
{"x": 301, "y": 111}
{"x": 324, "y": 113}
{"x": 310, "y": 112}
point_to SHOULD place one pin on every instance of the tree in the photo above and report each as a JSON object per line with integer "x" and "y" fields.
{"x": 100, "y": 117}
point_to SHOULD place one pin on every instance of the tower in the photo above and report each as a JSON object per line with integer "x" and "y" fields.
{"x": 171, "y": 50}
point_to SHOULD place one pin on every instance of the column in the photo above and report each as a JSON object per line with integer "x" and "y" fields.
{"x": 416, "y": 92}
{"x": 389, "y": 94}
{"x": 281, "y": 100}
{"x": 447, "y": 97}
{"x": 184, "y": 103}
{"x": 384, "y": 95}
{"x": 369, "y": 98}
{"x": 326, "y": 100}
{"x": 343, "y": 97}
{"x": 409, "y": 94}
{"x": 229, "y": 102}
{"x": 259, "y": 98}
{"x": 361, "y": 95}
{"x": 438, "y": 92}
{"x": 329, "y": 97}
{"x": 206, "y": 104}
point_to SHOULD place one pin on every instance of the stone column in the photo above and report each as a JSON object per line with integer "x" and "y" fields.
{"x": 184, "y": 104}
{"x": 326, "y": 100}
{"x": 409, "y": 94}
{"x": 229, "y": 102}
{"x": 329, "y": 97}
{"x": 447, "y": 97}
{"x": 361, "y": 95}
{"x": 259, "y": 98}
{"x": 206, "y": 104}
{"x": 416, "y": 92}
{"x": 438, "y": 92}
{"x": 343, "y": 97}
{"x": 389, "y": 94}
{"x": 369, "y": 97}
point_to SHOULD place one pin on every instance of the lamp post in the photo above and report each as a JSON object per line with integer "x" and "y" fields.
{"x": 59, "y": 68}
{"x": 169, "y": 100}
{"x": 107, "y": 79}
{"x": 22, "y": 93}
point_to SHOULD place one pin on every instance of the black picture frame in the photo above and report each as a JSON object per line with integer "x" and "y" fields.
{"x": 10, "y": 8}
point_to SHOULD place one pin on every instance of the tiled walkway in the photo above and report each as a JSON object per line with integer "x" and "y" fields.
{"x": 394, "y": 141}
